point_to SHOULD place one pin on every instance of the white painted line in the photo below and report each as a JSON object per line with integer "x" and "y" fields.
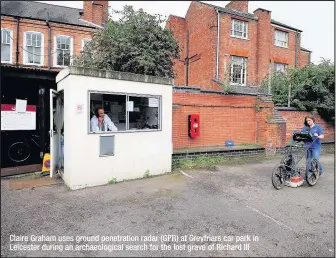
{"x": 266, "y": 216}
{"x": 183, "y": 173}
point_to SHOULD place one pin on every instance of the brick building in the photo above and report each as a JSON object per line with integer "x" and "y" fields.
{"x": 234, "y": 45}
{"x": 37, "y": 41}
{"x": 231, "y": 45}
{"x": 47, "y": 36}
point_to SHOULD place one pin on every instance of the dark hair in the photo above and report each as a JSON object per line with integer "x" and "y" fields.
{"x": 96, "y": 111}
{"x": 310, "y": 117}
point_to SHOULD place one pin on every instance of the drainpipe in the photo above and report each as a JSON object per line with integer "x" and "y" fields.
{"x": 49, "y": 41}
{"x": 17, "y": 39}
{"x": 296, "y": 49}
{"x": 41, "y": 113}
{"x": 217, "y": 57}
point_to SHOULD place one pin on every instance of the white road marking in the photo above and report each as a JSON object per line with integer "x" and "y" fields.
{"x": 183, "y": 173}
{"x": 273, "y": 219}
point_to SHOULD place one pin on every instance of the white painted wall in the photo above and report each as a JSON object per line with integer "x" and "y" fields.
{"x": 135, "y": 152}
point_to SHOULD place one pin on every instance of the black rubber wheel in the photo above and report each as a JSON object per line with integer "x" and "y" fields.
{"x": 19, "y": 152}
{"x": 279, "y": 176}
{"x": 313, "y": 174}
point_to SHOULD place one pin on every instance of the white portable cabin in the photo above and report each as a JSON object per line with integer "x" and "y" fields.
{"x": 139, "y": 106}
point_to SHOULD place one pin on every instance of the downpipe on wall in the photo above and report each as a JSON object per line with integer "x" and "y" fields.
{"x": 17, "y": 40}
{"x": 217, "y": 57}
{"x": 49, "y": 41}
{"x": 296, "y": 49}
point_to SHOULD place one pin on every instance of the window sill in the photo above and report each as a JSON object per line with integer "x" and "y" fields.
{"x": 24, "y": 63}
{"x": 60, "y": 66}
{"x": 280, "y": 46}
{"x": 237, "y": 84}
{"x": 6, "y": 62}
{"x": 235, "y": 37}
{"x": 128, "y": 131}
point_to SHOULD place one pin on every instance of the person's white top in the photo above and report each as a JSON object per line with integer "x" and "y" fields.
{"x": 108, "y": 125}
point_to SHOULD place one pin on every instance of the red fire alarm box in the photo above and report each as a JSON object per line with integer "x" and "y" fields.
{"x": 194, "y": 125}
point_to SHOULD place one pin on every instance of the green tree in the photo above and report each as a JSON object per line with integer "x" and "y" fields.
{"x": 312, "y": 88}
{"x": 135, "y": 43}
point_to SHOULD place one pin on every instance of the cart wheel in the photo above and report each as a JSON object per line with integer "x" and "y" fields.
{"x": 313, "y": 174}
{"x": 279, "y": 176}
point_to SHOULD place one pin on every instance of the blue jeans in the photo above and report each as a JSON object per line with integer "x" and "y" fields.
{"x": 313, "y": 153}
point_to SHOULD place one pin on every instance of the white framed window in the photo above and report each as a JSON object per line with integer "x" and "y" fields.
{"x": 124, "y": 112}
{"x": 281, "y": 38}
{"x": 63, "y": 53}
{"x": 6, "y": 46}
{"x": 33, "y": 43}
{"x": 239, "y": 29}
{"x": 238, "y": 69}
{"x": 84, "y": 42}
{"x": 279, "y": 67}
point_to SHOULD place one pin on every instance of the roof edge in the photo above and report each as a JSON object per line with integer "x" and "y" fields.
{"x": 109, "y": 74}
{"x": 305, "y": 50}
{"x": 284, "y": 25}
{"x": 262, "y": 9}
{"x": 36, "y": 19}
{"x": 176, "y": 16}
{"x": 226, "y": 10}
{"x": 93, "y": 24}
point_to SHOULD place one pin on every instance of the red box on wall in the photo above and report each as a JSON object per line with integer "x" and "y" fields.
{"x": 194, "y": 125}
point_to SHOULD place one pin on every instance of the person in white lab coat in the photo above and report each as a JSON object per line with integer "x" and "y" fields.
{"x": 100, "y": 122}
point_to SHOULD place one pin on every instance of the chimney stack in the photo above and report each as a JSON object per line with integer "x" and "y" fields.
{"x": 95, "y": 12}
{"x": 241, "y": 6}
{"x": 264, "y": 42}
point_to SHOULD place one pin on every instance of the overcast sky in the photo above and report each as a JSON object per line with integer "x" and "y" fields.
{"x": 315, "y": 19}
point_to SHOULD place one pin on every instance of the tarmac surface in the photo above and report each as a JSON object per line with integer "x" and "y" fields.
{"x": 201, "y": 213}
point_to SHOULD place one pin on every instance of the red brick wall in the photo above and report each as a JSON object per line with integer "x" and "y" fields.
{"x": 95, "y": 11}
{"x": 268, "y": 132}
{"x": 304, "y": 59}
{"x": 264, "y": 43}
{"x": 295, "y": 120}
{"x": 225, "y": 117}
{"x": 222, "y": 118}
{"x": 76, "y": 32}
{"x": 178, "y": 27}
{"x": 201, "y": 20}
{"x": 284, "y": 55}
{"x": 241, "y": 6}
{"x": 238, "y": 47}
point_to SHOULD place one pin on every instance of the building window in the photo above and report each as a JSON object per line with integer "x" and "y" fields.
{"x": 278, "y": 67}
{"x": 124, "y": 112}
{"x": 239, "y": 29}
{"x": 238, "y": 70}
{"x": 281, "y": 38}
{"x": 33, "y": 48}
{"x": 63, "y": 53}
{"x": 6, "y": 45}
{"x": 84, "y": 42}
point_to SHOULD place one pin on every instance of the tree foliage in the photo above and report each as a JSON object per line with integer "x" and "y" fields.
{"x": 135, "y": 43}
{"x": 312, "y": 88}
